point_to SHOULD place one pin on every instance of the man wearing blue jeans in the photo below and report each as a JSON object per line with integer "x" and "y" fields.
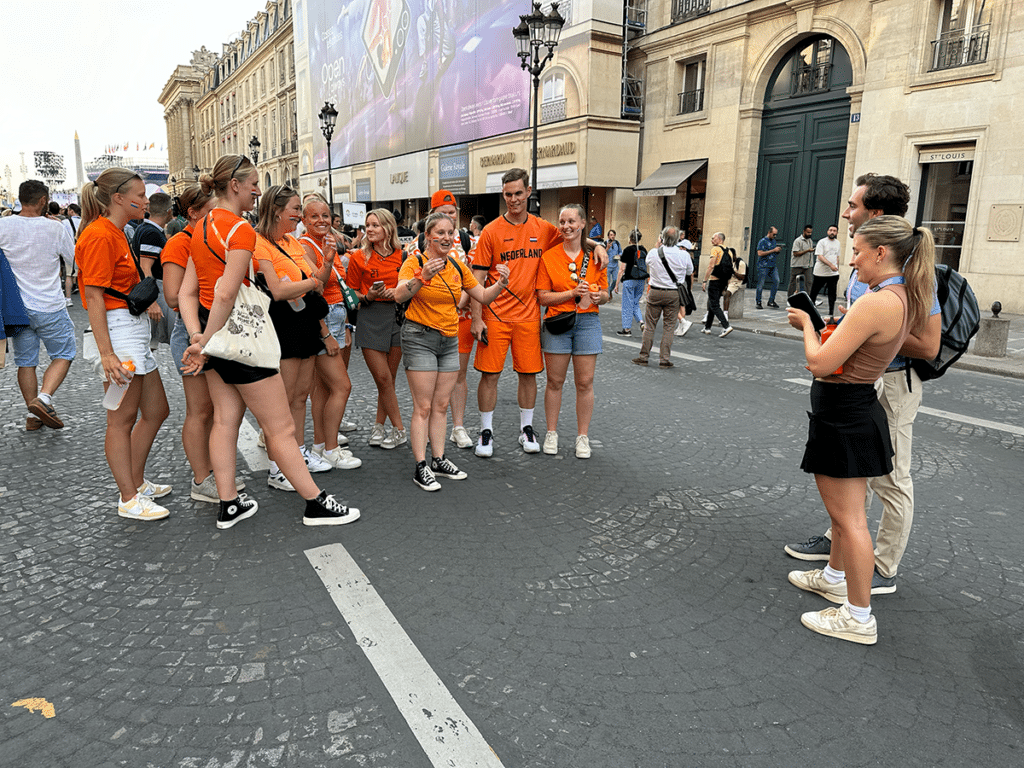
{"x": 767, "y": 250}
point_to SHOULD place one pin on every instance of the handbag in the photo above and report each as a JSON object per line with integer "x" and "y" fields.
{"x": 686, "y": 300}
{"x": 248, "y": 335}
{"x": 142, "y": 294}
{"x": 564, "y": 322}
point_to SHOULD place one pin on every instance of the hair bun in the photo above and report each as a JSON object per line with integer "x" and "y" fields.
{"x": 206, "y": 183}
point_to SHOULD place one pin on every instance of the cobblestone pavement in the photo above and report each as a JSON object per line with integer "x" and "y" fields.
{"x": 629, "y": 610}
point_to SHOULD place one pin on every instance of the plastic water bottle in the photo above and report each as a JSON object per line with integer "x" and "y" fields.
{"x": 298, "y": 303}
{"x": 115, "y": 392}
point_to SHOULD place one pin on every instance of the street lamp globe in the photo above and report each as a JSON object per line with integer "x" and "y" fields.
{"x": 553, "y": 24}
{"x": 328, "y": 117}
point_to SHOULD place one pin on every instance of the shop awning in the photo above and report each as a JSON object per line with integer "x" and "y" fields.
{"x": 668, "y": 178}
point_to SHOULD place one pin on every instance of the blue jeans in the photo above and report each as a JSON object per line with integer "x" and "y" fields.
{"x": 632, "y": 292}
{"x": 762, "y": 275}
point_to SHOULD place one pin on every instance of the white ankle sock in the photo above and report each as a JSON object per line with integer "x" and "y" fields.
{"x": 48, "y": 399}
{"x": 832, "y": 576}
{"x": 486, "y": 420}
{"x": 274, "y": 469}
{"x": 525, "y": 417}
{"x": 863, "y": 615}
{"x": 318, "y": 447}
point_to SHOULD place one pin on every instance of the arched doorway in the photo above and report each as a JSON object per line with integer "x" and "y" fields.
{"x": 802, "y": 155}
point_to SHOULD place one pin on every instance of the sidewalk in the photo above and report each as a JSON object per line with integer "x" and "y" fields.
{"x": 773, "y": 322}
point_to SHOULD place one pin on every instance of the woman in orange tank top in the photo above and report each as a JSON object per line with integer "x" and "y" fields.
{"x": 848, "y": 439}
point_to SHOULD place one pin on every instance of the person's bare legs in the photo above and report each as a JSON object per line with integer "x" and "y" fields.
{"x": 383, "y": 373}
{"x": 153, "y": 411}
{"x": 583, "y": 367}
{"x": 442, "y": 395}
{"x": 556, "y": 368}
{"x": 460, "y": 394}
{"x": 852, "y": 548}
{"x": 195, "y": 431}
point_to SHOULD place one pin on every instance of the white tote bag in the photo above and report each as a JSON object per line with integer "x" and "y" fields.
{"x": 248, "y": 335}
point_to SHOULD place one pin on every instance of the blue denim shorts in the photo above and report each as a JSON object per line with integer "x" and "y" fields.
{"x": 337, "y": 317}
{"x": 583, "y": 339}
{"x": 179, "y": 342}
{"x": 54, "y": 329}
{"x": 427, "y": 349}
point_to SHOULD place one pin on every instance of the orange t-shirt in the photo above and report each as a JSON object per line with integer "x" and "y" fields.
{"x": 105, "y": 261}
{"x": 520, "y": 248}
{"x": 332, "y": 291}
{"x": 292, "y": 268}
{"x": 435, "y": 305}
{"x": 224, "y": 232}
{"x": 364, "y": 271}
{"x": 178, "y": 249}
{"x": 554, "y": 275}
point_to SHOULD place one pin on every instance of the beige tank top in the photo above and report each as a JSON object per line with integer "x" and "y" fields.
{"x": 870, "y": 360}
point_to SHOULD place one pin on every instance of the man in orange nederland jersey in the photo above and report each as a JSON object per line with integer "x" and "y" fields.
{"x": 517, "y": 239}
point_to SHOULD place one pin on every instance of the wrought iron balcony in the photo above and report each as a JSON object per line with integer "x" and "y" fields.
{"x": 811, "y": 79}
{"x": 553, "y": 110}
{"x": 684, "y": 10}
{"x": 691, "y": 101}
{"x": 960, "y": 48}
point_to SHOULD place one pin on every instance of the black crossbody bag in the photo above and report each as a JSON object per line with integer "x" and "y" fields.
{"x": 142, "y": 294}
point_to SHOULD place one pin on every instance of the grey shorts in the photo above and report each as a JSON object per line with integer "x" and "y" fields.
{"x": 378, "y": 327}
{"x": 427, "y": 349}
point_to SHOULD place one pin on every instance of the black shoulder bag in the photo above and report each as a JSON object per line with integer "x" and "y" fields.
{"x": 685, "y": 295}
{"x": 142, "y": 294}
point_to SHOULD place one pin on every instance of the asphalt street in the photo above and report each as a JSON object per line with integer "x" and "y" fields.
{"x": 628, "y": 610}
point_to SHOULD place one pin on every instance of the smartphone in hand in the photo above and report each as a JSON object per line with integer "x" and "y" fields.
{"x": 378, "y": 286}
{"x": 802, "y": 300}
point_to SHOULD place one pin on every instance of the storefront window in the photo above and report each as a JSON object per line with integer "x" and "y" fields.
{"x": 945, "y": 190}
{"x": 686, "y": 210}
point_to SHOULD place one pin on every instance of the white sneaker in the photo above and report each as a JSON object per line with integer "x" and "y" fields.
{"x": 582, "y": 447}
{"x": 551, "y": 443}
{"x": 837, "y": 622}
{"x": 706, "y": 330}
{"x": 725, "y": 333}
{"x": 313, "y": 462}
{"x": 342, "y": 440}
{"x": 377, "y": 435}
{"x": 704, "y": 319}
{"x": 339, "y": 458}
{"x": 396, "y": 438}
{"x": 682, "y": 328}
{"x": 279, "y": 481}
{"x": 461, "y": 437}
{"x": 141, "y": 507}
{"x": 528, "y": 440}
{"x": 485, "y": 444}
{"x": 153, "y": 490}
{"x": 348, "y": 426}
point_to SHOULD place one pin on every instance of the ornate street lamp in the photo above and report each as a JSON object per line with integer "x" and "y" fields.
{"x": 328, "y": 118}
{"x": 535, "y": 32}
{"x": 196, "y": 171}
{"x": 254, "y": 150}
{"x": 173, "y": 185}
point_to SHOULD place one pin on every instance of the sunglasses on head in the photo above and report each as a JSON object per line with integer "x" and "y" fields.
{"x": 241, "y": 159}
{"x": 130, "y": 178}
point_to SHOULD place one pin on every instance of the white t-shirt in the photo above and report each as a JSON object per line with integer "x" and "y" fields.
{"x": 829, "y": 249}
{"x": 34, "y": 246}
{"x": 678, "y": 259}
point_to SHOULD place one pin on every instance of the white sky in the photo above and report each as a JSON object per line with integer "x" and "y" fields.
{"x": 98, "y": 66}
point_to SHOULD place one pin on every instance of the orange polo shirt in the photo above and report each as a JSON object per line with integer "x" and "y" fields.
{"x": 554, "y": 275}
{"x": 105, "y": 261}
{"x": 364, "y": 271}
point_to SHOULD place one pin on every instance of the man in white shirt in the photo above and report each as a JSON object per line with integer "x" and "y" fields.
{"x": 663, "y": 296}
{"x": 826, "y": 269}
{"x": 72, "y": 224}
{"x": 34, "y": 245}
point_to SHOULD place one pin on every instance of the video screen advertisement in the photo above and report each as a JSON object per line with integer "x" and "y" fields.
{"x": 407, "y": 75}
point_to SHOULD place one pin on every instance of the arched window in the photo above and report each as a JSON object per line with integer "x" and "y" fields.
{"x": 815, "y": 66}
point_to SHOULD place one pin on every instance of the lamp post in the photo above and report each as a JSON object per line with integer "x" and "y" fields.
{"x": 535, "y": 32}
{"x": 196, "y": 171}
{"x": 174, "y": 188}
{"x": 328, "y": 117}
{"x": 254, "y": 150}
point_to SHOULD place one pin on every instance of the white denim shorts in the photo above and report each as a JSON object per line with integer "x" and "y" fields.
{"x": 129, "y": 337}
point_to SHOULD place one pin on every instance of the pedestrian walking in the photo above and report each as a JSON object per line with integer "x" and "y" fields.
{"x": 632, "y": 282}
{"x": 826, "y": 269}
{"x": 669, "y": 266}
{"x": 800, "y": 261}
{"x": 716, "y": 278}
{"x": 767, "y": 251}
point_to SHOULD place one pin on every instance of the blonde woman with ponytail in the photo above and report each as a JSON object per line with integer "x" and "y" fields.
{"x": 221, "y": 256}
{"x": 105, "y": 262}
{"x": 849, "y": 438}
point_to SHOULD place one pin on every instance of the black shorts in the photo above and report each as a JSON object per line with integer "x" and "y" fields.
{"x": 848, "y": 435}
{"x": 298, "y": 332}
{"x": 230, "y": 371}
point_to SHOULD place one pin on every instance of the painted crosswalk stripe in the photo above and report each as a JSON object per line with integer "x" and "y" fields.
{"x": 447, "y": 735}
{"x": 949, "y": 416}
{"x": 636, "y": 345}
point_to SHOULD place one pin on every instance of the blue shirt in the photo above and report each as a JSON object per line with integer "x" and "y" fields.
{"x": 614, "y": 249}
{"x": 855, "y": 289}
{"x": 595, "y": 232}
{"x": 766, "y": 244}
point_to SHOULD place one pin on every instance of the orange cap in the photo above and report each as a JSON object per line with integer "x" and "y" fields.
{"x": 442, "y": 197}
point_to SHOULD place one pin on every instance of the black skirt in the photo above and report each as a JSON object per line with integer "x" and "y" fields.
{"x": 848, "y": 435}
{"x": 298, "y": 332}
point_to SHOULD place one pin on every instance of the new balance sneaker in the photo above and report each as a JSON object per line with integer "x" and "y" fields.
{"x": 233, "y": 511}
{"x": 141, "y": 507}
{"x": 461, "y": 437}
{"x": 424, "y": 477}
{"x": 377, "y": 435}
{"x": 815, "y": 548}
{"x": 725, "y": 333}
{"x": 551, "y": 443}
{"x": 327, "y": 510}
{"x": 314, "y": 463}
{"x": 882, "y": 585}
{"x": 207, "y": 490}
{"x": 444, "y": 467}
{"x": 45, "y": 413}
{"x": 347, "y": 426}
{"x": 837, "y": 622}
{"x": 582, "y": 447}
{"x": 394, "y": 439}
{"x": 339, "y": 458}
{"x": 484, "y": 445}
{"x": 815, "y": 581}
{"x": 528, "y": 440}
{"x": 279, "y": 481}
{"x": 153, "y": 490}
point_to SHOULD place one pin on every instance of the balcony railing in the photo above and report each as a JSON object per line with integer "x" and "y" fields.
{"x": 811, "y": 79}
{"x": 684, "y": 10}
{"x": 632, "y": 97}
{"x": 960, "y": 48}
{"x": 553, "y": 110}
{"x": 691, "y": 101}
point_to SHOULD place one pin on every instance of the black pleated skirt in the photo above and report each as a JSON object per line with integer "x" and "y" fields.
{"x": 848, "y": 435}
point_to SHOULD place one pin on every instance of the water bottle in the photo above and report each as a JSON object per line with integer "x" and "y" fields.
{"x": 298, "y": 303}
{"x": 115, "y": 392}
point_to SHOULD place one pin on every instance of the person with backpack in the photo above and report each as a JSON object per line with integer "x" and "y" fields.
{"x": 900, "y": 396}
{"x": 720, "y": 270}
{"x": 632, "y": 282}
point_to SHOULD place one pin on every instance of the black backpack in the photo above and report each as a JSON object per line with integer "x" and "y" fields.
{"x": 724, "y": 270}
{"x": 961, "y": 319}
{"x": 639, "y": 270}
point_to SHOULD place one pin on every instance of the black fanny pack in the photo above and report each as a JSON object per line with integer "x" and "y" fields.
{"x": 561, "y": 323}
{"x": 140, "y": 297}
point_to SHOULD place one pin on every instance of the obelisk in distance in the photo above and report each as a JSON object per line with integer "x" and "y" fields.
{"x": 79, "y": 168}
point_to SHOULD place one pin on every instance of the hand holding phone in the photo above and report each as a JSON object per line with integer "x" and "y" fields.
{"x": 802, "y": 301}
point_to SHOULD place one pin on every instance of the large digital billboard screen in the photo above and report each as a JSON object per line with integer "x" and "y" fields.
{"x": 406, "y": 75}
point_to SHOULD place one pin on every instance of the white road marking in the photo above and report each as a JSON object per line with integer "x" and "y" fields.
{"x": 636, "y": 345}
{"x": 996, "y": 425}
{"x": 254, "y": 456}
{"x": 447, "y": 735}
